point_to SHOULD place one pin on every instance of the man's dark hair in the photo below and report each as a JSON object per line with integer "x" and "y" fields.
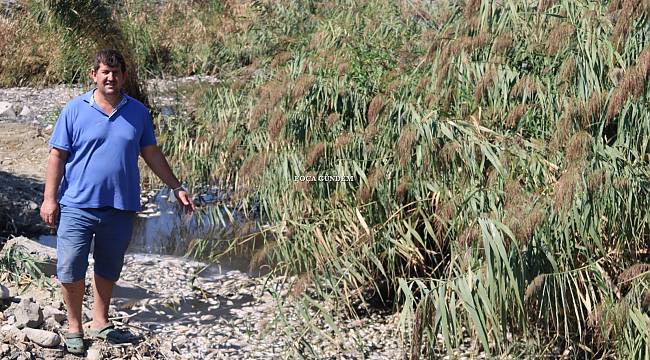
{"x": 109, "y": 57}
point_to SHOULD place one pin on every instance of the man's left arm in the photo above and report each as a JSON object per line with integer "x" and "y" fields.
{"x": 159, "y": 165}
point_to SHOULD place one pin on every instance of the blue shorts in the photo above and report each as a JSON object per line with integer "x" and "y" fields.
{"x": 111, "y": 229}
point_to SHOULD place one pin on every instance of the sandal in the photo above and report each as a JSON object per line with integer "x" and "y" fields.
{"x": 110, "y": 334}
{"x": 74, "y": 342}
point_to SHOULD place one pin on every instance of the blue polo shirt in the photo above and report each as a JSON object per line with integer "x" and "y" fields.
{"x": 102, "y": 165}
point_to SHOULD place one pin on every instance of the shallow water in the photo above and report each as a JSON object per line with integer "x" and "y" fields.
{"x": 163, "y": 229}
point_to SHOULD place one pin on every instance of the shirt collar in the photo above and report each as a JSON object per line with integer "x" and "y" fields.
{"x": 90, "y": 99}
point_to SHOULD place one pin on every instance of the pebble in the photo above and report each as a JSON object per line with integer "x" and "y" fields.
{"x": 6, "y": 110}
{"x": 56, "y": 314}
{"x": 42, "y": 337}
{"x": 94, "y": 354}
{"x": 28, "y": 314}
{"x": 13, "y": 335}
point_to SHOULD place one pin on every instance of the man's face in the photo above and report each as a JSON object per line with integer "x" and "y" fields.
{"x": 109, "y": 80}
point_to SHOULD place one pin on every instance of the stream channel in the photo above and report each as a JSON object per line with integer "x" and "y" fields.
{"x": 162, "y": 233}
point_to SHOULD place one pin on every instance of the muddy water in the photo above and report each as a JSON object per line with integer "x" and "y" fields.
{"x": 164, "y": 234}
{"x": 163, "y": 229}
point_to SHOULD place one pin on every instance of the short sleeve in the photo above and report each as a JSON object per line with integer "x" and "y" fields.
{"x": 62, "y": 134}
{"x": 148, "y": 135}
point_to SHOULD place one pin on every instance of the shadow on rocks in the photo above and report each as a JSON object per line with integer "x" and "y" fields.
{"x": 20, "y": 201}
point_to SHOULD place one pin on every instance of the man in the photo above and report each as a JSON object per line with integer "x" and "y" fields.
{"x": 93, "y": 166}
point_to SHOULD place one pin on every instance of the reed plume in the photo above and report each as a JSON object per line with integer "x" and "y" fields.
{"x": 534, "y": 287}
{"x": 579, "y": 146}
{"x": 592, "y": 110}
{"x": 401, "y": 191}
{"x": 568, "y": 70}
{"x": 303, "y": 83}
{"x": 632, "y": 85}
{"x": 486, "y": 82}
{"x": 502, "y": 43}
{"x": 515, "y": 115}
{"x": 566, "y": 186}
{"x": 374, "y": 109}
{"x": 276, "y": 124}
{"x": 559, "y": 37}
{"x": 526, "y": 86}
{"x": 405, "y": 144}
{"x": 597, "y": 179}
{"x": 315, "y": 154}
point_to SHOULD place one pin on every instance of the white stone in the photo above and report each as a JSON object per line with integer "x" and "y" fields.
{"x": 28, "y": 314}
{"x": 4, "y": 349}
{"x": 25, "y": 111}
{"x": 94, "y": 354}
{"x": 42, "y": 337}
{"x": 6, "y": 110}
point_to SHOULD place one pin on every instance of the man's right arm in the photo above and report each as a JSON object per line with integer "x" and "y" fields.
{"x": 55, "y": 167}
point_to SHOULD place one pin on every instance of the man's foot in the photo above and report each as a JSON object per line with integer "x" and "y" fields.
{"x": 111, "y": 334}
{"x": 74, "y": 342}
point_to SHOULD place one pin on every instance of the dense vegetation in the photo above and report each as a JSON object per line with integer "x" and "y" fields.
{"x": 499, "y": 152}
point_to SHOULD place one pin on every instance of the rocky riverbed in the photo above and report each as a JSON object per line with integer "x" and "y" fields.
{"x": 175, "y": 307}
{"x": 178, "y": 308}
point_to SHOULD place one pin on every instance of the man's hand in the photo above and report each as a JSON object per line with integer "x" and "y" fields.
{"x": 185, "y": 200}
{"x": 49, "y": 212}
{"x": 158, "y": 164}
{"x": 55, "y": 165}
